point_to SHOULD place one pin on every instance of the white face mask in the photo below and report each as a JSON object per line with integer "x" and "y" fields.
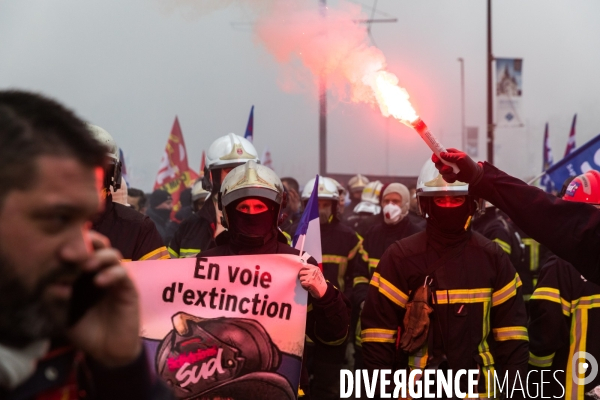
{"x": 392, "y": 214}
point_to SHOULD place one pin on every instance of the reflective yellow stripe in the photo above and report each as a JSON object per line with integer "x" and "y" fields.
{"x": 358, "y": 249}
{"x": 510, "y": 333}
{"x": 463, "y": 296}
{"x": 503, "y": 245}
{"x": 187, "y": 253}
{"x": 534, "y": 253}
{"x": 389, "y": 290}
{"x": 173, "y": 253}
{"x": 333, "y": 259}
{"x": 159, "y": 254}
{"x": 484, "y": 348}
{"x": 309, "y": 308}
{"x": 360, "y": 279}
{"x": 586, "y": 302}
{"x": 506, "y": 292}
{"x": 578, "y": 343}
{"x": 373, "y": 262}
{"x": 553, "y": 295}
{"x": 334, "y": 342}
{"x": 288, "y": 237}
{"x": 541, "y": 361}
{"x": 378, "y": 335}
{"x": 419, "y": 358}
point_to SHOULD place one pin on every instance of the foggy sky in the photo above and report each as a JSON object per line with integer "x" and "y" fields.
{"x": 131, "y": 67}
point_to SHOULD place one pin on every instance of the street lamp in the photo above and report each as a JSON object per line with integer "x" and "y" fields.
{"x": 462, "y": 102}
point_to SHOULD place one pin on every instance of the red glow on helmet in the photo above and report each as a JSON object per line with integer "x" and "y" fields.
{"x": 585, "y": 188}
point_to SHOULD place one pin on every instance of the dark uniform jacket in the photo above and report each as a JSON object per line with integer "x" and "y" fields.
{"x": 376, "y": 241}
{"x": 327, "y": 318}
{"x": 570, "y": 230}
{"x": 130, "y": 232}
{"x": 65, "y": 374}
{"x": 494, "y": 227}
{"x": 479, "y": 318}
{"x": 565, "y": 318}
{"x": 196, "y": 233}
{"x": 343, "y": 253}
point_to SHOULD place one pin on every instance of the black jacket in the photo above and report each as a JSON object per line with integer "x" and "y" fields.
{"x": 570, "y": 230}
{"x": 67, "y": 374}
{"x": 376, "y": 241}
{"x": 196, "y": 233}
{"x": 479, "y": 318}
{"x": 565, "y": 318}
{"x": 130, "y": 232}
{"x": 327, "y": 319}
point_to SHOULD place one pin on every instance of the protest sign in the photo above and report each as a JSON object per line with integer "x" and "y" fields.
{"x": 224, "y": 326}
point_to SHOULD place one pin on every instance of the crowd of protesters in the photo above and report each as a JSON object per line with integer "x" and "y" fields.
{"x": 468, "y": 270}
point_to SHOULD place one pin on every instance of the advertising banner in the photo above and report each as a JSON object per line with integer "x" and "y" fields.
{"x": 223, "y": 327}
{"x": 509, "y": 90}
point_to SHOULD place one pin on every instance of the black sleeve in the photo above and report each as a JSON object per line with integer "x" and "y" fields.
{"x": 131, "y": 382}
{"x": 328, "y": 318}
{"x": 149, "y": 245}
{"x": 570, "y": 230}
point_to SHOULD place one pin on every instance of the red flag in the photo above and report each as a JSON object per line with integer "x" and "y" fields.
{"x": 202, "y": 164}
{"x": 174, "y": 174}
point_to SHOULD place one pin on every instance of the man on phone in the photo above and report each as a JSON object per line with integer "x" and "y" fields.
{"x": 69, "y": 314}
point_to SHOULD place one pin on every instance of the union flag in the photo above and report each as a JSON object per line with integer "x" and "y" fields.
{"x": 174, "y": 174}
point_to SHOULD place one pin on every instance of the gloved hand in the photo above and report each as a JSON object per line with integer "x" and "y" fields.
{"x": 470, "y": 171}
{"x": 312, "y": 279}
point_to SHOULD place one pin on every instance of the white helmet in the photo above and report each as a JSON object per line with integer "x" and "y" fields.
{"x": 357, "y": 183}
{"x": 251, "y": 180}
{"x": 230, "y": 151}
{"x": 327, "y": 189}
{"x": 431, "y": 183}
{"x": 198, "y": 191}
{"x": 367, "y": 207}
{"x": 112, "y": 175}
{"x": 370, "y": 193}
{"x": 106, "y": 139}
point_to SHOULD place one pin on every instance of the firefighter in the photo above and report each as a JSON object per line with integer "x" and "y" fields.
{"x": 569, "y": 229}
{"x": 251, "y": 200}
{"x": 393, "y": 225}
{"x": 356, "y": 184}
{"x": 565, "y": 301}
{"x": 366, "y": 213}
{"x": 342, "y": 254}
{"x": 495, "y": 227}
{"x": 459, "y": 281}
{"x": 198, "y": 233}
{"x": 129, "y": 231}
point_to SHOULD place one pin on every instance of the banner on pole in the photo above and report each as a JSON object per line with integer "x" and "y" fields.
{"x": 509, "y": 90}
{"x": 578, "y": 162}
{"x": 224, "y": 327}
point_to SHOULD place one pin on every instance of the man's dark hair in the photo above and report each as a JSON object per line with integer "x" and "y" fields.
{"x": 133, "y": 192}
{"x": 31, "y": 126}
{"x": 292, "y": 183}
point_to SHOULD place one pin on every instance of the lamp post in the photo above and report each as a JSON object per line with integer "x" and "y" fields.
{"x": 462, "y": 103}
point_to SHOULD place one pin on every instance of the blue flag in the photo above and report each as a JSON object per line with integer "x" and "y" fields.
{"x": 250, "y": 127}
{"x": 571, "y": 142}
{"x": 308, "y": 233}
{"x": 576, "y": 163}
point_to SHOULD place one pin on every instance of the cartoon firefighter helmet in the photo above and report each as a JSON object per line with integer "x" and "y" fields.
{"x": 585, "y": 188}
{"x": 221, "y": 358}
{"x": 327, "y": 190}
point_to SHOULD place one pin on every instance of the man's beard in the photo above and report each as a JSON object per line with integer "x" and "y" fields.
{"x": 26, "y": 316}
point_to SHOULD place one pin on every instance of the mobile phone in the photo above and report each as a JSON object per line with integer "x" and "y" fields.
{"x": 85, "y": 295}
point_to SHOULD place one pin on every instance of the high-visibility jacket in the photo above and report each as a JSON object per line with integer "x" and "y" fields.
{"x": 130, "y": 232}
{"x": 479, "y": 318}
{"x": 196, "y": 233}
{"x": 565, "y": 316}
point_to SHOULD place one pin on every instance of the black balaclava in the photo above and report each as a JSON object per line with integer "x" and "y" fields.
{"x": 251, "y": 230}
{"x": 446, "y": 225}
